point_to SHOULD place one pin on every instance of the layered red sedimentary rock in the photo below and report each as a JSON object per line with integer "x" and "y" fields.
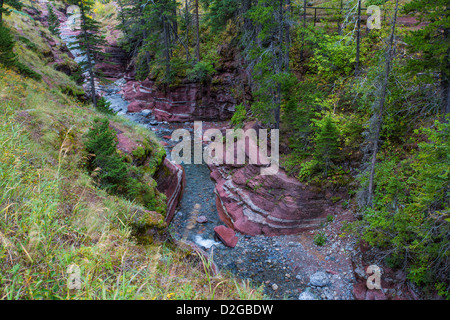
{"x": 171, "y": 180}
{"x": 189, "y": 101}
{"x": 269, "y": 205}
{"x": 182, "y": 103}
{"x": 113, "y": 64}
{"x": 266, "y": 205}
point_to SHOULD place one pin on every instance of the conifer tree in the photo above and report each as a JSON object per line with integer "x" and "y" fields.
{"x": 159, "y": 29}
{"x": 268, "y": 57}
{"x": 327, "y": 144}
{"x": 197, "y": 31}
{"x": 7, "y": 56}
{"x": 380, "y": 106}
{"x": 90, "y": 43}
{"x": 53, "y": 22}
{"x": 432, "y": 42}
{"x": 102, "y": 144}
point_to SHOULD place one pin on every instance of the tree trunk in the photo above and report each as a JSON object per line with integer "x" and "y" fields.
{"x": 187, "y": 30}
{"x": 358, "y": 39}
{"x": 339, "y": 19}
{"x": 89, "y": 57}
{"x": 445, "y": 98}
{"x": 122, "y": 17}
{"x": 144, "y": 34}
{"x": 175, "y": 20}
{"x": 246, "y": 5}
{"x": 167, "y": 45}
{"x": 1, "y": 12}
{"x": 288, "y": 35}
{"x": 304, "y": 29}
{"x": 278, "y": 107}
{"x": 445, "y": 81}
{"x": 280, "y": 56}
{"x": 197, "y": 22}
{"x": 379, "y": 120}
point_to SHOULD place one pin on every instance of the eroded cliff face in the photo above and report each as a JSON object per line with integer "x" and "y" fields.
{"x": 270, "y": 205}
{"x": 186, "y": 102}
{"x": 189, "y": 101}
{"x": 171, "y": 180}
{"x": 113, "y": 65}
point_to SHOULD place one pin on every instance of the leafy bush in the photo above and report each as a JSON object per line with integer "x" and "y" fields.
{"x": 307, "y": 169}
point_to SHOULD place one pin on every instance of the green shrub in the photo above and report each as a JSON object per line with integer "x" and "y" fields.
{"x": 53, "y": 22}
{"x": 105, "y": 162}
{"x": 320, "y": 239}
{"x": 27, "y": 71}
{"x": 327, "y": 144}
{"x": 31, "y": 45}
{"x": 142, "y": 68}
{"x": 115, "y": 174}
{"x": 104, "y": 106}
{"x": 9, "y": 59}
{"x": 202, "y": 72}
{"x": 239, "y": 116}
{"x": 307, "y": 169}
{"x": 7, "y": 56}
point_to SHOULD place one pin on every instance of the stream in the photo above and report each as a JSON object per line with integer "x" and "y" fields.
{"x": 282, "y": 264}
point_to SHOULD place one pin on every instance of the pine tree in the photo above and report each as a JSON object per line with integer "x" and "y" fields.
{"x": 159, "y": 29}
{"x": 358, "y": 39}
{"x": 327, "y": 144}
{"x": 7, "y": 56}
{"x": 90, "y": 43}
{"x": 12, "y": 3}
{"x": 432, "y": 42}
{"x": 102, "y": 144}
{"x": 268, "y": 57}
{"x": 53, "y": 22}
{"x": 197, "y": 31}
